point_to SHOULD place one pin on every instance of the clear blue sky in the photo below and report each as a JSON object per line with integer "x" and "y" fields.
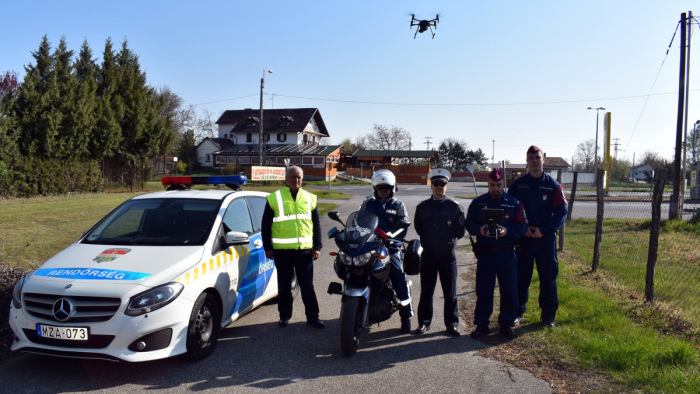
{"x": 517, "y": 72}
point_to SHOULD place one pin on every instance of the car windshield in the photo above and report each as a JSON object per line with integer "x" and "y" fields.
{"x": 165, "y": 221}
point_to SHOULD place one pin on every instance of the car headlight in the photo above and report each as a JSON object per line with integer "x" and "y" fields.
{"x": 17, "y": 291}
{"x": 153, "y": 299}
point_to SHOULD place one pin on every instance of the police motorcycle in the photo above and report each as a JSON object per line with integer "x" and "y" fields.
{"x": 363, "y": 263}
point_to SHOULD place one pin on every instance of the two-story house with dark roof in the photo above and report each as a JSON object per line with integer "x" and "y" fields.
{"x": 294, "y": 134}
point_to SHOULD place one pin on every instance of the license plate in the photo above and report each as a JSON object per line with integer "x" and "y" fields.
{"x": 70, "y": 333}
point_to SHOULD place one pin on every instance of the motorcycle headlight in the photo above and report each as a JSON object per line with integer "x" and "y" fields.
{"x": 363, "y": 258}
{"x": 153, "y": 299}
{"x": 17, "y": 291}
{"x": 343, "y": 258}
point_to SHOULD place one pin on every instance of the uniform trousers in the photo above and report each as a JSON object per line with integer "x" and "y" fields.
{"x": 443, "y": 264}
{"x": 541, "y": 251}
{"x": 400, "y": 284}
{"x": 490, "y": 266}
{"x": 287, "y": 263}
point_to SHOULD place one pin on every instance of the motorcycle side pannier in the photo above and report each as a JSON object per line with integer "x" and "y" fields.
{"x": 411, "y": 262}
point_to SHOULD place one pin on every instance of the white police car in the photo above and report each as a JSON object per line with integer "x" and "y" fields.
{"x": 158, "y": 276}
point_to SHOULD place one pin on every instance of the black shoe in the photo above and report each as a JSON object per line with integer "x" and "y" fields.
{"x": 318, "y": 323}
{"x": 548, "y": 323}
{"x": 507, "y": 332}
{"x": 283, "y": 323}
{"x": 422, "y": 328}
{"x": 480, "y": 331}
{"x": 453, "y": 331}
{"x": 406, "y": 325}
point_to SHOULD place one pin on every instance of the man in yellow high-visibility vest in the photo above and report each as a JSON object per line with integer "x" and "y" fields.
{"x": 291, "y": 232}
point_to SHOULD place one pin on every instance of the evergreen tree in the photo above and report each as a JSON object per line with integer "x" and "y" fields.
{"x": 68, "y": 141}
{"x": 38, "y": 121}
{"x": 84, "y": 114}
{"x": 107, "y": 135}
{"x": 131, "y": 89}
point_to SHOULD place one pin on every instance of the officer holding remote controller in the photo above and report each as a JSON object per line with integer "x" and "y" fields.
{"x": 497, "y": 220}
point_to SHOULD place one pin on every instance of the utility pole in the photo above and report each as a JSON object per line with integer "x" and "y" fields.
{"x": 427, "y": 143}
{"x": 616, "y": 144}
{"x": 681, "y": 199}
{"x": 674, "y": 211}
{"x": 261, "y": 145}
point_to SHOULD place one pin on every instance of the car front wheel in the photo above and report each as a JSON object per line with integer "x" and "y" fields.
{"x": 204, "y": 326}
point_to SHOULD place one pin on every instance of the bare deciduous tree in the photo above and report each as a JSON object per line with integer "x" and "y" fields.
{"x": 585, "y": 156}
{"x": 385, "y": 138}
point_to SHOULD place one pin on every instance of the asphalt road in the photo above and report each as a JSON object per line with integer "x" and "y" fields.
{"x": 254, "y": 354}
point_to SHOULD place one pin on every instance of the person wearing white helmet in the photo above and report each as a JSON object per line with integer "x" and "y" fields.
{"x": 391, "y": 211}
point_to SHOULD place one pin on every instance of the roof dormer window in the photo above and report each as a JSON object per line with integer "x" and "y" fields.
{"x": 252, "y": 120}
{"x": 285, "y": 120}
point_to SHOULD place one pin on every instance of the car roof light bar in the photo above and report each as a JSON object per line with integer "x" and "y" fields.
{"x": 180, "y": 182}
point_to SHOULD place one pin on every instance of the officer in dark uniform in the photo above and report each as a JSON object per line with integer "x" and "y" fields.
{"x": 440, "y": 223}
{"x": 495, "y": 250}
{"x": 546, "y": 209}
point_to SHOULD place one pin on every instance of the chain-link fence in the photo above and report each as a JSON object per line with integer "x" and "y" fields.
{"x": 625, "y": 232}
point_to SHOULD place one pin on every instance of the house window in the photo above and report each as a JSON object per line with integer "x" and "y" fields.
{"x": 249, "y": 137}
{"x": 307, "y": 160}
{"x": 282, "y": 137}
{"x": 208, "y": 158}
{"x": 306, "y": 138}
{"x": 267, "y": 137}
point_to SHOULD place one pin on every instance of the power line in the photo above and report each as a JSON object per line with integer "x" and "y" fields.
{"x": 478, "y": 104}
{"x": 453, "y": 104}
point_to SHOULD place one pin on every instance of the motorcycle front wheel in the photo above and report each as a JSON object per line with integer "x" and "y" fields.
{"x": 350, "y": 325}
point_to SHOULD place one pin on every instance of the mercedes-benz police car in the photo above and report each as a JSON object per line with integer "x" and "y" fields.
{"x": 158, "y": 276}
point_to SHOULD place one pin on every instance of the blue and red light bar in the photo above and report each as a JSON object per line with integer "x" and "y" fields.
{"x": 205, "y": 180}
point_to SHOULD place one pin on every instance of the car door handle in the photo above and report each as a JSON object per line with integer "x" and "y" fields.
{"x": 257, "y": 244}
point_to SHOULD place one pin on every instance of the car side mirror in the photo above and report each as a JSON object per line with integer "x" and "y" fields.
{"x": 236, "y": 238}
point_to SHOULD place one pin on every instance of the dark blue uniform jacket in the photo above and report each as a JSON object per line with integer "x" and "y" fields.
{"x": 544, "y": 201}
{"x": 514, "y": 219}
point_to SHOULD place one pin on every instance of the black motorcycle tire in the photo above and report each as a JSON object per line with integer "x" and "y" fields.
{"x": 350, "y": 325}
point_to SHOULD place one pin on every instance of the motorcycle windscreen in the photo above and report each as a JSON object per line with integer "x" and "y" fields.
{"x": 359, "y": 230}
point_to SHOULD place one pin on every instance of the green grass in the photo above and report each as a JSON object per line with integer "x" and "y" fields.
{"x": 596, "y": 331}
{"x": 34, "y": 229}
{"x": 603, "y": 323}
{"x": 625, "y": 251}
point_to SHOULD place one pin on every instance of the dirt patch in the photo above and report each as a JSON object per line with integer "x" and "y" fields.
{"x": 563, "y": 377}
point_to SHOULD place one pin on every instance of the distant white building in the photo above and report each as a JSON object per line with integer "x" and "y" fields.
{"x": 288, "y": 134}
{"x": 641, "y": 172}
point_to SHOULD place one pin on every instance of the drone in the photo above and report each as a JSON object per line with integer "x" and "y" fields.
{"x": 424, "y": 25}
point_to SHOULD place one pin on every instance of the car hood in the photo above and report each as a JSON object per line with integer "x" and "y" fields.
{"x": 104, "y": 265}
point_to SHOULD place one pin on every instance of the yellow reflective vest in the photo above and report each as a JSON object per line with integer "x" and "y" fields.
{"x": 292, "y": 227}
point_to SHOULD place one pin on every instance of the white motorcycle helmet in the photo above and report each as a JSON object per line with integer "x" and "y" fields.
{"x": 384, "y": 177}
